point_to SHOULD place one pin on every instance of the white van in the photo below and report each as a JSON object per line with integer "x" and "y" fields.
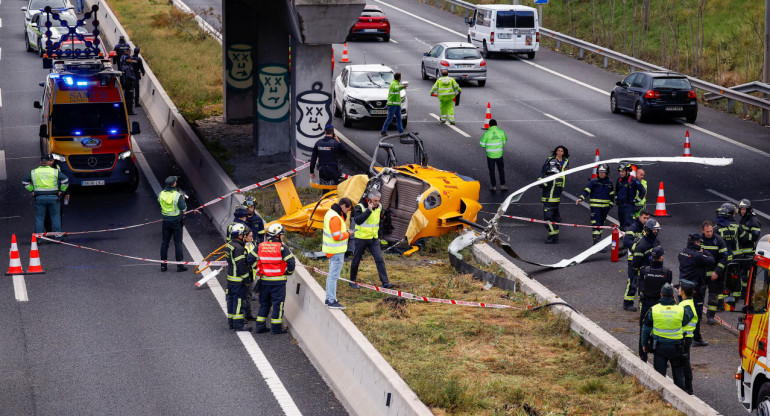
{"x": 504, "y": 28}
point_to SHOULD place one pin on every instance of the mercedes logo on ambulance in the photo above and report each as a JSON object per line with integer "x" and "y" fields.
{"x": 92, "y": 162}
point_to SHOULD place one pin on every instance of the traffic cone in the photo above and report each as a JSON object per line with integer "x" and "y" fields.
{"x": 633, "y": 171}
{"x": 686, "y": 151}
{"x": 660, "y": 207}
{"x": 596, "y": 159}
{"x": 34, "y": 258}
{"x": 345, "y": 53}
{"x": 15, "y": 265}
{"x": 488, "y": 116}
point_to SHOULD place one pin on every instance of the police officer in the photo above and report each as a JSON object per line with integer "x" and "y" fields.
{"x": 635, "y": 230}
{"x": 121, "y": 48}
{"x": 239, "y": 272}
{"x": 129, "y": 83}
{"x": 715, "y": 278}
{"x": 239, "y": 217}
{"x": 138, "y": 66}
{"x": 367, "y": 219}
{"x": 446, "y": 88}
{"x": 640, "y": 256}
{"x": 274, "y": 263}
{"x": 600, "y": 195}
{"x": 685, "y": 292}
{"x": 651, "y": 280}
{"x": 46, "y": 184}
{"x": 326, "y": 153}
{"x": 253, "y": 219}
{"x": 664, "y": 324}
{"x": 628, "y": 193}
{"x": 750, "y": 232}
{"x": 551, "y": 198}
{"x": 730, "y": 233}
{"x": 172, "y": 207}
{"x": 493, "y": 141}
{"x": 693, "y": 264}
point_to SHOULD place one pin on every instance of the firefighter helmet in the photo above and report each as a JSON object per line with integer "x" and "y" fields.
{"x": 275, "y": 230}
{"x": 249, "y": 201}
{"x": 237, "y": 230}
{"x": 602, "y": 168}
{"x": 726, "y": 210}
{"x": 745, "y": 203}
{"x": 553, "y": 167}
{"x": 624, "y": 166}
{"x": 651, "y": 225}
{"x": 241, "y": 212}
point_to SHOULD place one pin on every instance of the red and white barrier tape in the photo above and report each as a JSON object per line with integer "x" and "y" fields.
{"x": 191, "y": 263}
{"x": 407, "y": 295}
{"x": 607, "y": 227}
{"x": 720, "y": 320}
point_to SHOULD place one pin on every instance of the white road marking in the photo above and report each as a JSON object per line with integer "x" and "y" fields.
{"x": 1, "y": 22}
{"x": 256, "y": 354}
{"x": 424, "y": 43}
{"x": 423, "y": 19}
{"x": 585, "y": 204}
{"x": 1, "y": 97}
{"x": 20, "y": 288}
{"x": 451, "y": 126}
{"x": 550, "y": 71}
{"x": 394, "y": 41}
{"x": 727, "y": 139}
{"x": 569, "y": 125}
{"x": 735, "y": 201}
{"x": 3, "y": 171}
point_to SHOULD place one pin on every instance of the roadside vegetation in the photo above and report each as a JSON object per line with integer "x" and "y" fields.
{"x": 473, "y": 361}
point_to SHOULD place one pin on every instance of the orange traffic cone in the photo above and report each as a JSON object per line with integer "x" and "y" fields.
{"x": 633, "y": 171}
{"x": 345, "y": 53}
{"x": 596, "y": 159}
{"x": 686, "y": 151}
{"x": 660, "y": 207}
{"x": 488, "y": 116}
{"x": 34, "y": 258}
{"x": 15, "y": 265}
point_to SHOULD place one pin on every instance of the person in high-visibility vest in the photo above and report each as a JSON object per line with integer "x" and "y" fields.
{"x": 664, "y": 324}
{"x": 642, "y": 201}
{"x": 46, "y": 184}
{"x": 239, "y": 269}
{"x": 274, "y": 263}
{"x": 446, "y": 88}
{"x": 686, "y": 290}
{"x": 367, "y": 219}
{"x": 172, "y": 207}
{"x": 493, "y": 141}
{"x": 551, "y": 197}
{"x": 394, "y": 104}
{"x": 335, "y": 244}
{"x": 600, "y": 195}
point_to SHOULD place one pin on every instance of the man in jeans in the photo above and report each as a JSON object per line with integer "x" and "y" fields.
{"x": 46, "y": 184}
{"x": 367, "y": 219}
{"x": 394, "y": 104}
{"x": 335, "y": 244}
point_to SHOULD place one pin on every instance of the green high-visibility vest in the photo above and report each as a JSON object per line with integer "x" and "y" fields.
{"x": 445, "y": 87}
{"x": 689, "y": 328}
{"x": 667, "y": 321}
{"x": 493, "y": 141}
{"x": 394, "y": 93}
{"x": 369, "y": 229}
{"x": 169, "y": 203}
{"x": 45, "y": 179}
{"x": 329, "y": 245}
{"x": 643, "y": 200}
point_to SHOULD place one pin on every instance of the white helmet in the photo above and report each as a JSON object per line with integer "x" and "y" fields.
{"x": 237, "y": 229}
{"x": 275, "y": 230}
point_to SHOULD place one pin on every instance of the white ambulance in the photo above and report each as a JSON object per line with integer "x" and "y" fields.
{"x": 500, "y": 28}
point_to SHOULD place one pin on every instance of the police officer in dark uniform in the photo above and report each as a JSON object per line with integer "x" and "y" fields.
{"x": 651, "y": 280}
{"x": 274, "y": 263}
{"x": 254, "y": 221}
{"x": 551, "y": 198}
{"x": 138, "y": 67}
{"x": 715, "y": 277}
{"x": 663, "y": 323}
{"x": 600, "y": 195}
{"x": 693, "y": 264}
{"x": 239, "y": 217}
{"x": 730, "y": 233}
{"x": 751, "y": 230}
{"x": 239, "y": 272}
{"x": 639, "y": 256}
{"x": 129, "y": 83}
{"x": 326, "y": 153}
{"x": 635, "y": 230}
{"x": 121, "y": 48}
{"x": 628, "y": 193}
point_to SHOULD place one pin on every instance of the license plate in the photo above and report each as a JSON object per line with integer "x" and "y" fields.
{"x": 465, "y": 66}
{"x": 369, "y": 30}
{"x": 673, "y": 108}
{"x": 93, "y": 183}
{"x": 503, "y": 35}
{"x": 379, "y": 112}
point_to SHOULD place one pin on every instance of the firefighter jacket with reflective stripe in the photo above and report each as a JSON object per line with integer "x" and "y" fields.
{"x": 367, "y": 226}
{"x": 274, "y": 261}
{"x": 394, "y": 93}
{"x": 562, "y": 166}
{"x": 640, "y": 254}
{"x": 238, "y": 268}
{"x": 628, "y": 191}
{"x": 493, "y": 141}
{"x": 446, "y": 88}
{"x": 634, "y": 230}
{"x": 653, "y": 277}
{"x": 552, "y": 191}
{"x": 230, "y": 228}
{"x": 172, "y": 203}
{"x": 46, "y": 180}
{"x": 749, "y": 234}
{"x": 599, "y": 193}
{"x": 694, "y": 263}
{"x": 335, "y": 236}
{"x": 689, "y": 327}
{"x": 729, "y": 231}
{"x": 718, "y": 249}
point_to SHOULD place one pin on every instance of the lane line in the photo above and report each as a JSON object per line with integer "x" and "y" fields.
{"x": 569, "y": 125}
{"x": 1, "y": 22}
{"x": 568, "y": 78}
{"x": 424, "y": 43}
{"x": 451, "y": 126}
{"x": 726, "y": 139}
{"x": 420, "y": 18}
{"x": 735, "y": 201}
{"x": 1, "y": 97}
{"x": 258, "y": 357}
{"x": 3, "y": 171}
{"x": 393, "y": 40}
{"x": 20, "y": 288}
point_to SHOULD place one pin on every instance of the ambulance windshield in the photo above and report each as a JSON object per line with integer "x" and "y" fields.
{"x": 88, "y": 119}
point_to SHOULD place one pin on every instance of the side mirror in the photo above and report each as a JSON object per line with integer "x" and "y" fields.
{"x": 619, "y": 84}
{"x": 135, "y": 128}
{"x": 43, "y": 130}
{"x": 469, "y": 21}
{"x": 42, "y": 84}
{"x": 38, "y": 105}
{"x": 24, "y": 9}
{"x": 425, "y": 54}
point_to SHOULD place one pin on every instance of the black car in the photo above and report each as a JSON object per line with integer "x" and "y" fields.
{"x": 655, "y": 94}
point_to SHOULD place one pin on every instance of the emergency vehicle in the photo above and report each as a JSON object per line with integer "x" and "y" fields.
{"x": 85, "y": 126}
{"x": 753, "y": 376}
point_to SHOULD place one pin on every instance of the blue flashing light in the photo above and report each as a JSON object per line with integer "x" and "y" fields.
{"x": 116, "y": 105}
{"x": 68, "y": 80}
{"x": 82, "y": 83}
{"x": 77, "y": 132}
{"x": 113, "y": 131}
{"x": 53, "y": 76}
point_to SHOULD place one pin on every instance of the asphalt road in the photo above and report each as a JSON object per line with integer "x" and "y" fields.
{"x": 556, "y": 100}
{"x": 104, "y": 335}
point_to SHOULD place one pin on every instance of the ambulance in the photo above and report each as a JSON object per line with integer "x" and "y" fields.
{"x": 753, "y": 376}
{"x": 85, "y": 126}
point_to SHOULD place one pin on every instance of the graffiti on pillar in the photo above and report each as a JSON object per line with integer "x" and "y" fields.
{"x": 314, "y": 110}
{"x": 239, "y": 68}
{"x": 273, "y": 103}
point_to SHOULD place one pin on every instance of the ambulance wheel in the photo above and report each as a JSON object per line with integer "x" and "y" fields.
{"x": 763, "y": 400}
{"x": 133, "y": 182}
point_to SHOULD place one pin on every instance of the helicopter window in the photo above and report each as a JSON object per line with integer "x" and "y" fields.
{"x": 432, "y": 201}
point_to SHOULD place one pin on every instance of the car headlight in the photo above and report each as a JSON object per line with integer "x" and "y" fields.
{"x": 403, "y": 99}
{"x": 124, "y": 155}
{"x": 59, "y": 158}
{"x": 356, "y": 101}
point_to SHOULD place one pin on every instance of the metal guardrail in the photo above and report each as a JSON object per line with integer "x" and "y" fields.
{"x": 633, "y": 62}
{"x": 754, "y": 86}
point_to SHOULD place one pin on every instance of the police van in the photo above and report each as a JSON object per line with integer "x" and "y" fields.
{"x": 500, "y": 28}
{"x": 85, "y": 126}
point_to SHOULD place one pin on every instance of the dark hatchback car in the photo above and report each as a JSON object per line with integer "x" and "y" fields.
{"x": 655, "y": 94}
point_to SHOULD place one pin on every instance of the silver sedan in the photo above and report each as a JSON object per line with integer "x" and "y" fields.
{"x": 461, "y": 59}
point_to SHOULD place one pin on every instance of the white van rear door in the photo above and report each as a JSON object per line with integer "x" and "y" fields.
{"x": 520, "y": 26}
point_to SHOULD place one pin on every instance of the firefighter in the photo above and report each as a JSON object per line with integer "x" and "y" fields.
{"x": 635, "y": 230}
{"x": 121, "y": 48}
{"x": 715, "y": 278}
{"x": 730, "y": 233}
{"x": 446, "y": 88}
{"x": 367, "y": 219}
{"x": 686, "y": 291}
{"x": 551, "y": 198}
{"x": 128, "y": 80}
{"x": 748, "y": 238}
{"x": 561, "y": 155}
{"x": 326, "y": 152}
{"x": 172, "y": 207}
{"x": 254, "y": 220}
{"x": 493, "y": 141}
{"x": 274, "y": 263}
{"x": 239, "y": 271}
{"x": 628, "y": 194}
{"x": 601, "y": 195}
{"x": 693, "y": 264}
{"x": 642, "y": 199}
{"x": 239, "y": 217}
{"x": 46, "y": 184}
{"x": 663, "y": 323}
{"x": 640, "y": 256}
{"x": 651, "y": 280}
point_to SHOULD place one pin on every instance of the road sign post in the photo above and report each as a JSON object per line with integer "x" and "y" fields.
{"x": 540, "y": 4}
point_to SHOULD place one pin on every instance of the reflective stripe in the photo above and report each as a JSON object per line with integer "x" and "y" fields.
{"x": 371, "y": 227}
{"x": 365, "y": 225}
{"x": 271, "y": 258}
{"x": 169, "y": 203}
{"x": 666, "y": 331}
{"x": 329, "y": 245}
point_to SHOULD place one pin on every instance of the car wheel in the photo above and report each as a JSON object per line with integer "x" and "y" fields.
{"x": 26, "y": 42}
{"x": 641, "y": 115}
{"x": 133, "y": 182}
{"x": 531, "y": 55}
{"x": 337, "y": 112}
{"x": 482, "y": 82}
{"x": 763, "y": 400}
{"x": 346, "y": 121}
{"x": 614, "y": 105}
{"x": 485, "y": 52}
{"x": 39, "y": 49}
{"x": 424, "y": 75}
{"x": 386, "y": 38}
{"x": 691, "y": 117}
